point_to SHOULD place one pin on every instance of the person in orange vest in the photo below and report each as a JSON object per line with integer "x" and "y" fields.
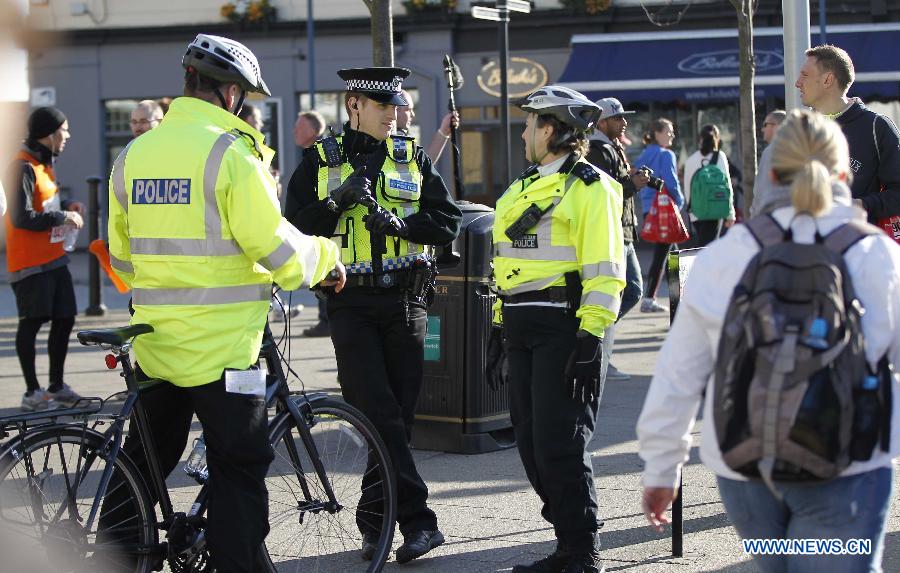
{"x": 37, "y": 223}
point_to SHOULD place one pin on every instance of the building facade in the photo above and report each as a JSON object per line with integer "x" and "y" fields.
{"x": 102, "y": 61}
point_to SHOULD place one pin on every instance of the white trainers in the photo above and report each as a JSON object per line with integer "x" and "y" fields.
{"x": 616, "y": 375}
{"x": 65, "y": 396}
{"x": 39, "y": 401}
{"x": 650, "y": 305}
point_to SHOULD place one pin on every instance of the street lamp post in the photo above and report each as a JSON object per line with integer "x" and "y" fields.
{"x": 501, "y": 14}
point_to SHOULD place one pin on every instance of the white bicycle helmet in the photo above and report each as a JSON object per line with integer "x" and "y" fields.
{"x": 567, "y": 105}
{"x": 225, "y": 60}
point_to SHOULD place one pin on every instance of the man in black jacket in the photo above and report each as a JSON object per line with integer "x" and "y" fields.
{"x": 873, "y": 140}
{"x": 607, "y": 153}
{"x": 378, "y": 196}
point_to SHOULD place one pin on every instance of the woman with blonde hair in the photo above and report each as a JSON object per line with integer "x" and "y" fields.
{"x": 810, "y": 161}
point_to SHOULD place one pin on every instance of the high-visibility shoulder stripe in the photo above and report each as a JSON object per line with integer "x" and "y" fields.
{"x": 118, "y": 178}
{"x": 184, "y": 247}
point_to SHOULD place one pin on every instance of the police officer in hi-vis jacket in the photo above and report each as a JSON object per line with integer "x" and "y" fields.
{"x": 379, "y": 198}
{"x": 559, "y": 270}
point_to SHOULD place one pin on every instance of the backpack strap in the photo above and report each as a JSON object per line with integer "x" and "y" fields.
{"x": 841, "y": 239}
{"x": 766, "y": 230}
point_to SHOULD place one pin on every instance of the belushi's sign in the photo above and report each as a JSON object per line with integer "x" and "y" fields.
{"x": 523, "y": 77}
{"x": 728, "y": 63}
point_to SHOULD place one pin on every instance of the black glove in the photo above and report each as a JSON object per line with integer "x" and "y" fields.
{"x": 496, "y": 366}
{"x": 352, "y": 191}
{"x": 583, "y": 369}
{"x": 383, "y": 222}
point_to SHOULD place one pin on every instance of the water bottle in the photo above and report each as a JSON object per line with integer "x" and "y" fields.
{"x": 866, "y": 419}
{"x": 196, "y": 462}
{"x": 70, "y": 238}
{"x": 818, "y": 330}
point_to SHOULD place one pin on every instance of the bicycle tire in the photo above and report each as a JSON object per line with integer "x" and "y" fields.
{"x": 328, "y": 541}
{"x": 33, "y": 528}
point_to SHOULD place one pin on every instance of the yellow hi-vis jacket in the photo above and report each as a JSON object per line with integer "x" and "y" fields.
{"x": 398, "y": 191}
{"x": 581, "y": 230}
{"x": 195, "y": 228}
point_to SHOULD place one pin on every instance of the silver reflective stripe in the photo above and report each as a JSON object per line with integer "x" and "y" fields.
{"x": 334, "y": 178}
{"x": 596, "y": 298}
{"x": 118, "y": 178}
{"x": 211, "y": 218}
{"x": 603, "y": 268}
{"x": 280, "y": 256}
{"x": 539, "y": 284}
{"x": 202, "y": 295}
{"x": 121, "y": 265}
{"x": 304, "y": 246}
{"x": 548, "y": 253}
{"x": 185, "y": 247}
{"x": 213, "y": 244}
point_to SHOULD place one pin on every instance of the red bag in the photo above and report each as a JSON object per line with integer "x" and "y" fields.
{"x": 663, "y": 222}
{"x": 891, "y": 226}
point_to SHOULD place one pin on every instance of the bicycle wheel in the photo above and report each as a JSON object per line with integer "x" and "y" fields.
{"x": 307, "y": 534}
{"x": 47, "y": 486}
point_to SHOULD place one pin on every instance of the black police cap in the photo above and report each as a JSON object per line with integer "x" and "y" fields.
{"x": 381, "y": 84}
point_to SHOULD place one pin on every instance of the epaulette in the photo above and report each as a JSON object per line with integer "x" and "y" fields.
{"x": 586, "y": 172}
{"x": 402, "y": 136}
{"x": 399, "y": 152}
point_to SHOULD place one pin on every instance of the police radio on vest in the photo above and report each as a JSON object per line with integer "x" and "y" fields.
{"x": 161, "y": 192}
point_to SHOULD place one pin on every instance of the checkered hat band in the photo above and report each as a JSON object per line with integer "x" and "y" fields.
{"x": 372, "y": 86}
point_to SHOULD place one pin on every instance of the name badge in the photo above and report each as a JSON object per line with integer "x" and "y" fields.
{"x": 57, "y": 234}
{"x": 161, "y": 192}
{"x": 249, "y": 382}
{"x": 401, "y": 185}
{"x": 526, "y": 242}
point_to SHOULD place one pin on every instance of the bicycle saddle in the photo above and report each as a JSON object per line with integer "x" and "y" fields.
{"x": 113, "y": 336}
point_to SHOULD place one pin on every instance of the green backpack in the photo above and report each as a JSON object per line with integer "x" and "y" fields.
{"x": 710, "y": 193}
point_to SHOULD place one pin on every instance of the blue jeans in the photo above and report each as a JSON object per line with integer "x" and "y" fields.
{"x": 852, "y": 507}
{"x": 633, "y": 284}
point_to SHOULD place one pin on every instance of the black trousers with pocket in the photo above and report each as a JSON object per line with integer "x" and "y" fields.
{"x": 238, "y": 454}
{"x": 552, "y": 429}
{"x": 380, "y": 358}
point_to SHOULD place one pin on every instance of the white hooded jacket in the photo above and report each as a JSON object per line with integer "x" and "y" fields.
{"x": 687, "y": 360}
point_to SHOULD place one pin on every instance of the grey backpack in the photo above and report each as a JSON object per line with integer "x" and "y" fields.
{"x": 793, "y": 397}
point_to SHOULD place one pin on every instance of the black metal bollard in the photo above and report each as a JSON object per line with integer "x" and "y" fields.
{"x": 95, "y": 288}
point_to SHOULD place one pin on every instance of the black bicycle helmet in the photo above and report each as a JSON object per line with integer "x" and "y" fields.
{"x": 567, "y": 105}
{"x": 226, "y": 61}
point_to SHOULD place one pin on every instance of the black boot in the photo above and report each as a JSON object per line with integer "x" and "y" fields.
{"x": 584, "y": 563}
{"x": 552, "y": 563}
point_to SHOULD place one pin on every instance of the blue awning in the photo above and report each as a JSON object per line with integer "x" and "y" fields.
{"x": 702, "y": 65}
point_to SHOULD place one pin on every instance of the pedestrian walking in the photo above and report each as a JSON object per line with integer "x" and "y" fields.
{"x": 38, "y": 222}
{"x": 781, "y": 433}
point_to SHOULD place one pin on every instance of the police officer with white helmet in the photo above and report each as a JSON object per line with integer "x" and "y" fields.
{"x": 559, "y": 270}
{"x": 196, "y": 230}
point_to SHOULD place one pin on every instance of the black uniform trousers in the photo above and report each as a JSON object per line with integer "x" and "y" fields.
{"x": 238, "y": 454}
{"x": 380, "y": 358}
{"x": 552, "y": 429}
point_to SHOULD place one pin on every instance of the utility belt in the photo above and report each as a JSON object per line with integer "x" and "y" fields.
{"x": 552, "y": 294}
{"x": 569, "y": 294}
{"x": 416, "y": 283}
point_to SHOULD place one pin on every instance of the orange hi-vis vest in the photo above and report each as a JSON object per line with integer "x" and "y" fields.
{"x": 26, "y": 249}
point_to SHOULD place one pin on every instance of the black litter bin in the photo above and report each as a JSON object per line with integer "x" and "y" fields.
{"x": 457, "y": 412}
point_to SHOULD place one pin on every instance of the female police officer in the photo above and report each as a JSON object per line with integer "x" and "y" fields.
{"x": 559, "y": 267}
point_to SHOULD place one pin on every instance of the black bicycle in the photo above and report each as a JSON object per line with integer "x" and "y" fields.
{"x": 57, "y": 505}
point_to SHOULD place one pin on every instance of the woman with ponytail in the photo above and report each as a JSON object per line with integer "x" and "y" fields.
{"x": 810, "y": 164}
{"x": 658, "y": 157}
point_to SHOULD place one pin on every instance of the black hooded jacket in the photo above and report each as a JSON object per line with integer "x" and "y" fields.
{"x": 874, "y": 159}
